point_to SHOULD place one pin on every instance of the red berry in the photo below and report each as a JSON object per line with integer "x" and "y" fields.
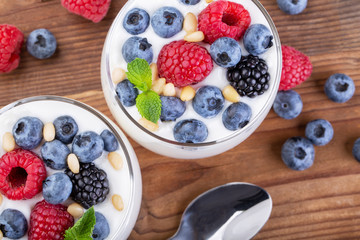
{"x": 48, "y": 221}
{"x": 11, "y": 40}
{"x": 296, "y": 68}
{"x": 223, "y": 19}
{"x": 21, "y": 174}
{"x": 184, "y": 63}
{"x": 94, "y": 10}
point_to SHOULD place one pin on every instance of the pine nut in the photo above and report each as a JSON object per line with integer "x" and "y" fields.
{"x": 169, "y": 90}
{"x": 1, "y": 235}
{"x": 8, "y": 143}
{"x": 197, "y": 36}
{"x": 49, "y": 132}
{"x": 187, "y": 93}
{"x": 158, "y": 85}
{"x": 208, "y": 1}
{"x": 231, "y": 94}
{"x": 1, "y": 199}
{"x": 154, "y": 71}
{"x": 115, "y": 160}
{"x": 117, "y": 201}
{"x": 148, "y": 124}
{"x": 190, "y": 23}
{"x": 76, "y": 210}
{"x": 73, "y": 163}
{"x": 118, "y": 75}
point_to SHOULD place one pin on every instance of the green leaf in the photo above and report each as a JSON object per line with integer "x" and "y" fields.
{"x": 139, "y": 74}
{"x": 83, "y": 228}
{"x": 149, "y": 105}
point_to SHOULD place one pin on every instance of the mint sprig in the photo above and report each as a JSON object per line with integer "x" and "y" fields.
{"x": 83, "y": 228}
{"x": 148, "y": 102}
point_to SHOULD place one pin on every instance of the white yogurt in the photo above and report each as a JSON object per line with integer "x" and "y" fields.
{"x": 125, "y": 182}
{"x": 260, "y": 105}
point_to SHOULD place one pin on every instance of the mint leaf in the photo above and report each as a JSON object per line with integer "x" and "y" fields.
{"x": 83, "y": 228}
{"x": 139, "y": 74}
{"x": 149, "y": 105}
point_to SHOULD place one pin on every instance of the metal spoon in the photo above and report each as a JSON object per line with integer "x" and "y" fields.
{"x": 234, "y": 211}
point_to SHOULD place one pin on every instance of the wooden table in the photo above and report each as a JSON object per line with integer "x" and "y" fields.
{"x": 322, "y": 202}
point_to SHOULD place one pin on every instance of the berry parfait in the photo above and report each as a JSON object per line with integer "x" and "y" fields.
{"x": 191, "y": 79}
{"x": 65, "y": 169}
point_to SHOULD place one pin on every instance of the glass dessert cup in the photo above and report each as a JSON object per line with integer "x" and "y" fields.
{"x": 125, "y": 182}
{"x": 164, "y": 144}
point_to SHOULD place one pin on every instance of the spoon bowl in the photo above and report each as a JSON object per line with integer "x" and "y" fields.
{"x": 234, "y": 211}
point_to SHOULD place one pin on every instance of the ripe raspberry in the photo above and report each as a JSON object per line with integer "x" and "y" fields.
{"x": 21, "y": 174}
{"x": 223, "y": 19}
{"x": 11, "y": 40}
{"x": 94, "y": 10}
{"x": 296, "y": 68}
{"x": 184, "y": 63}
{"x": 48, "y": 221}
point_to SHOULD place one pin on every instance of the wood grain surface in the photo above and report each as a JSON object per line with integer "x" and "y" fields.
{"x": 322, "y": 202}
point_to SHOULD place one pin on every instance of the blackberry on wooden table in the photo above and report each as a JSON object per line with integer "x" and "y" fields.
{"x": 250, "y": 76}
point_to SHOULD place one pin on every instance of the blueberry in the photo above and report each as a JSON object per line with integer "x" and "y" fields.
{"x": 13, "y": 223}
{"x": 65, "y": 129}
{"x": 339, "y": 88}
{"x": 41, "y": 43}
{"x": 57, "y": 188}
{"x": 127, "y": 93}
{"x": 288, "y": 104}
{"x": 88, "y": 146}
{"x": 110, "y": 142}
{"x": 54, "y": 154}
{"x": 171, "y": 108}
{"x": 190, "y": 2}
{"x": 257, "y": 39}
{"x": 27, "y": 132}
{"x": 137, "y": 47}
{"x": 226, "y": 52}
{"x": 167, "y": 21}
{"x": 190, "y": 131}
{"x": 356, "y": 149}
{"x": 236, "y": 116}
{"x": 101, "y": 228}
{"x": 319, "y": 132}
{"x": 136, "y": 21}
{"x": 208, "y": 101}
{"x": 298, "y": 153}
{"x": 292, "y": 7}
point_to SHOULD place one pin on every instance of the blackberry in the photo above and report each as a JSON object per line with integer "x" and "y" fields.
{"x": 90, "y": 185}
{"x": 250, "y": 76}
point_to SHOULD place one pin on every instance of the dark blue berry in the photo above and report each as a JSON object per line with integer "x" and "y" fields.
{"x": 27, "y": 132}
{"x": 190, "y": 131}
{"x": 110, "y": 142}
{"x": 298, "y": 153}
{"x": 257, "y": 39}
{"x": 236, "y": 116}
{"x": 292, "y": 7}
{"x": 167, "y": 21}
{"x": 127, "y": 93}
{"x": 136, "y": 21}
{"x": 13, "y": 224}
{"x": 171, "y": 108}
{"x": 137, "y": 47}
{"x": 339, "y": 88}
{"x": 57, "y": 188}
{"x": 208, "y": 101}
{"x": 226, "y": 52}
{"x": 101, "y": 228}
{"x": 288, "y": 104}
{"x": 54, "y": 154}
{"x": 190, "y": 2}
{"x": 319, "y": 132}
{"x": 88, "y": 146}
{"x": 356, "y": 149}
{"x": 65, "y": 129}
{"x": 41, "y": 43}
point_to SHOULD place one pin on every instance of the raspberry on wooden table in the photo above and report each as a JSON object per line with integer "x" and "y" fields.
{"x": 11, "y": 40}
{"x": 94, "y": 10}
